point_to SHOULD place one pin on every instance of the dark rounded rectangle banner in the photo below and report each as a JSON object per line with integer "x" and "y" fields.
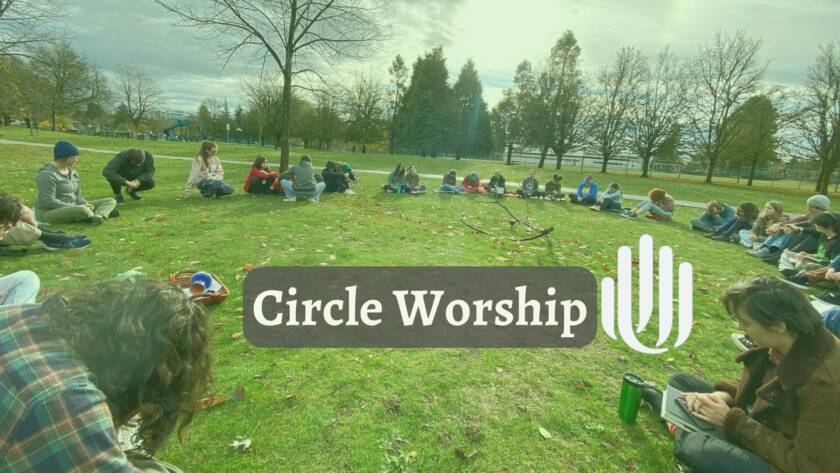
{"x": 420, "y": 307}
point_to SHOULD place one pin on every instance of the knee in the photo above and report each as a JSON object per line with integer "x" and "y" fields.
{"x": 680, "y": 380}
{"x": 28, "y": 278}
{"x": 147, "y": 184}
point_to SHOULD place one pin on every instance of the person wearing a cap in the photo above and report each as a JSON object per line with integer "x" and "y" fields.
{"x": 60, "y": 198}
{"x": 133, "y": 169}
{"x": 587, "y": 192}
{"x": 795, "y": 235}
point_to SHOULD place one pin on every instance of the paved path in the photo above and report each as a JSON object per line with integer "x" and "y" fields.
{"x": 681, "y": 203}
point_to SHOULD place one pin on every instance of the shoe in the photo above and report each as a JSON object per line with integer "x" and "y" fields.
{"x": 4, "y": 251}
{"x": 114, "y": 214}
{"x": 719, "y": 237}
{"x": 134, "y": 195}
{"x": 628, "y": 215}
{"x": 595, "y": 208}
{"x": 652, "y": 396}
{"x": 119, "y": 198}
{"x": 67, "y": 244}
{"x": 290, "y": 199}
{"x": 788, "y": 273}
{"x": 710, "y": 235}
{"x": 351, "y": 192}
{"x": 830, "y": 298}
{"x": 313, "y": 200}
{"x": 95, "y": 220}
{"x": 759, "y": 253}
{"x": 742, "y": 342}
{"x": 796, "y": 284}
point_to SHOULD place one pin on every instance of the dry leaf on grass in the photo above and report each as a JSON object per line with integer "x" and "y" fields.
{"x": 209, "y": 402}
{"x": 544, "y": 433}
{"x": 236, "y": 336}
{"x": 241, "y": 443}
{"x": 238, "y": 394}
{"x": 466, "y": 454}
{"x": 247, "y": 267}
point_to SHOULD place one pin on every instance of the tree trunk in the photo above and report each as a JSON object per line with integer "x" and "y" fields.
{"x": 604, "y": 164}
{"x": 710, "y": 170}
{"x": 646, "y": 164}
{"x": 53, "y": 120}
{"x": 542, "y": 157}
{"x": 391, "y": 138}
{"x": 364, "y": 148}
{"x": 509, "y": 153}
{"x": 752, "y": 172}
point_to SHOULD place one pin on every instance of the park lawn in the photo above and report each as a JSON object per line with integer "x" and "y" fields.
{"x": 390, "y": 409}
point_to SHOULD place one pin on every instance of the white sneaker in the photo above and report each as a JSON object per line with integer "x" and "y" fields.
{"x": 313, "y": 200}
{"x": 349, "y": 192}
{"x": 290, "y": 199}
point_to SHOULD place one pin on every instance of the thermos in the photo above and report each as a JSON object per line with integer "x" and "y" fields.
{"x": 631, "y": 397}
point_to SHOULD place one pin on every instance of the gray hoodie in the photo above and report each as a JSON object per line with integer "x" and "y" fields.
{"x": 56, "y": 190}
{"x": 305, "y": 176}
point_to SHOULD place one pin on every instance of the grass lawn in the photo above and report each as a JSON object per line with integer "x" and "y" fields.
{"x": 411, "y": 409}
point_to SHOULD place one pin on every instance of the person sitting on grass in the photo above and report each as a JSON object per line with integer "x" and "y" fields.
{"x": 302, "y": 180}
{"x": 262, "y": 180}
{"x": 79, "y": 366}
{"x": 335, "y": 179}
{"x": 450, "y": 183}
{"x": 471, "y": 183}
{"x": 348, "y": 171}
{"x": 610, "y": 200}
{"x": 530, "y": 187}
{"x": 659, "y": 205}
{"x": 781, "y": 415}
{"x": 789, "y": 234}
{"x": 412, "y": 181}
{"x": 133, "y": 169}
{"x": 793, "y": 265}
{"x": 773, "y": 212}
{"x": 60, "y": 198}
{"x": 715, "y": 216}
{"x": 207, "y": 174}
{"x": 19, "y": 228}
{"x": 496, "y": 185}
{"x": 745, "y": 216}
{"x": 587, "y": 192}
{"x": 552, "y": 188}
{"x": 396, "y": 180}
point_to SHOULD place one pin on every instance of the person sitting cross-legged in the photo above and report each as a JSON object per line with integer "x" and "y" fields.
{"x": 610, "y": 200}
{"x": 79, "y": 366}
{"x": 18, "y": 228}
{"x": 530, "y": 187}
{"x": 553, "y": 191}
{"x": 133, "y": 169}
{"x": 335, "y": 179}
{"x": 783, "y": 413}
{"x": 586, "y": 193}
{"x": 659, "y": 205}
{"x": 60, "y": 198}
{"x": 471, "y": 183}
{"x": 412, "y": 181}
{"x": 745, "y": 215}
{"x": 496, "y": 186}
{"x": 261, "y": 179}
{"x": 449, "y": 183}
{"x": 302, "y": 180}
{"x": 716, "y": 215}
{"x": 207, "y": 174}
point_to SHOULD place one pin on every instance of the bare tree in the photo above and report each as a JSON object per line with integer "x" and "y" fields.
{"x": 818, "y": 123}
{"x": 299, "y": 36}
{"x": 661, "y": 106}
{"x": 266, "y": 97}
{"x": 364, "y": 110}
{"x": 139, "y": 93}
{"x": 28, "y": 23}
{"x": 614, "y": 101}
{"x": 727, "y": 72}
{"x": 72, "y": 80}
{"x": 506, "y": 122}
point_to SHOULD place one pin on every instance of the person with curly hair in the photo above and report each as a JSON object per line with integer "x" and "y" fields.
{"x": 19, "y": 228}
{"x": 659, "y": 206}
{"x": 78, "y": 367}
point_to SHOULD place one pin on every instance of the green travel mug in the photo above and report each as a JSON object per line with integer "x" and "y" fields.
{"x": 631, "y": 397}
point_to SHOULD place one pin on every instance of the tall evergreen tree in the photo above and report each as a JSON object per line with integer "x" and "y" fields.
{"x": 399, "y": 74}
{"x": 429, "y": 115}
{"x": 473, "y": 132}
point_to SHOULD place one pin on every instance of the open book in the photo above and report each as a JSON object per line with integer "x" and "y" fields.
{"x": 675, "y": 411}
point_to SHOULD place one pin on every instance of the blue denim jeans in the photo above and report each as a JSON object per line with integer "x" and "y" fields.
{"x": 653, "y": 208}
{"x": 214, "y": 188}
{"x": 288, "y": 190}
{"x": 19, "y": 288}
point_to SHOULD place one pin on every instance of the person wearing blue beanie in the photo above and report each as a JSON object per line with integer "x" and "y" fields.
{"x": 60, "y": 198}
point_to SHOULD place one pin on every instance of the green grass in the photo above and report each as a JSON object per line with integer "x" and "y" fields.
{"x": 386, "y": 409}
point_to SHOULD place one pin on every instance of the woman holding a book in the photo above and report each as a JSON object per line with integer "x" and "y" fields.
{"x": 783, "y": 413}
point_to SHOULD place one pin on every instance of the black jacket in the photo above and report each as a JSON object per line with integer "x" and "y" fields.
{"x": 120, "y": 168}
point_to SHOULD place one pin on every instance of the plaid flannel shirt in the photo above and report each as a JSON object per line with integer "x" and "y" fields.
{"x": 52, "y": 416}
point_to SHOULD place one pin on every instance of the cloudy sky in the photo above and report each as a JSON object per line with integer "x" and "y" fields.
{"x": 496, "y": 34}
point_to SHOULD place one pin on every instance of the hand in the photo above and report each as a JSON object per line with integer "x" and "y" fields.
{"x": 832, "y": 276}
{"x": 712, "y": 409}
{"x": 88, "y": 205}
{"x": 133, "y": 184}
{"x": 801, "y": 255}
{"x": 26, "y": 216}
{"x": 752, "y": 237}
{"x": 775, "y": 228}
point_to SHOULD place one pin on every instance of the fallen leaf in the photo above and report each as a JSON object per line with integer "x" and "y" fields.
{"x": 247, "y": 267}
{"x": 289, "y": 397}
{"x": 209, "y": 402}
{"x": 444, "y": 437}
{"x": 582, "y": 385}
{"x": 630, "y": 465}
{"x": 466, "y": 454}
{"x": 392, "y": 405}
{"x": 473, "y": 432}
{"x": 238, "y": 394}
{"x": 241, "y": 443}
{"x": 544, "y": 433}
{"x": 236, "y": 336}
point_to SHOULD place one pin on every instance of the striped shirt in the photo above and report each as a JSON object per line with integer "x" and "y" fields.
{"x": 53, "y": 418}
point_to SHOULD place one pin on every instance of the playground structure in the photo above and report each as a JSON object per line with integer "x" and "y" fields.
{"x": 193, "y": 131}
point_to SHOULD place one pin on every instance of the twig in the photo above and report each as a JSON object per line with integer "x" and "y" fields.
{"x": 539, "y": 235}
{"x": 464, "y": 221}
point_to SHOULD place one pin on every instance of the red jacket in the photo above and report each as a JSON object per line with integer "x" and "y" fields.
{"x": 468, "y": 187}
{"x": 259, "y": 174}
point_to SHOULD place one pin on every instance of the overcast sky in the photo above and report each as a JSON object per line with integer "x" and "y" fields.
{"x": 496, "y": 34}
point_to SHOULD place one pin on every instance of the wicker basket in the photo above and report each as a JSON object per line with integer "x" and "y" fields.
{"x": 182, "y": 279}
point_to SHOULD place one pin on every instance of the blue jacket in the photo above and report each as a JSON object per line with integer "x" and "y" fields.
{"x": 593, "y": 190}
{"x": 726, "y": 216}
